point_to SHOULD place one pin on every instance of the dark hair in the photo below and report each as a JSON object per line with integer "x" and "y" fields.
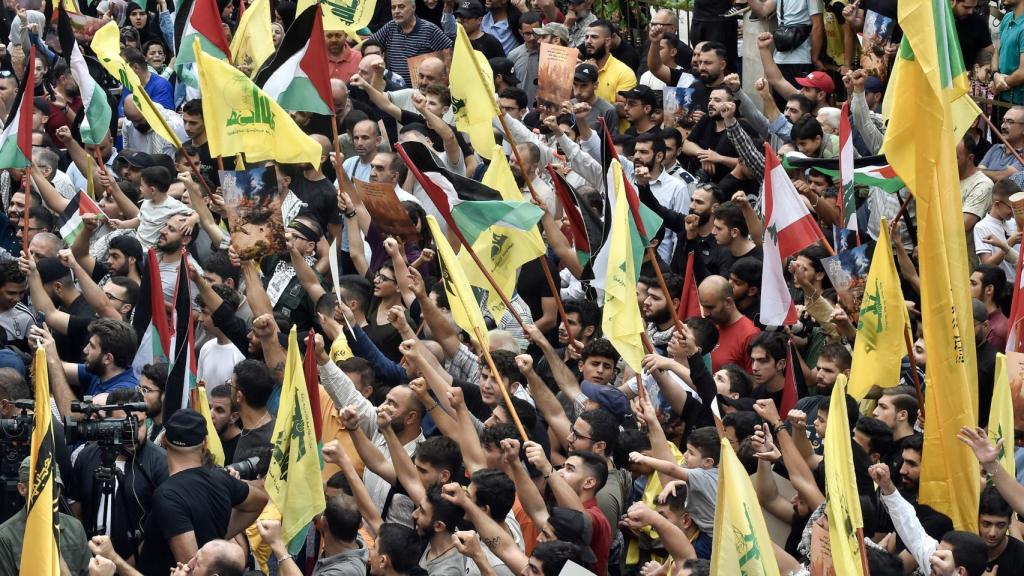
{"x": 526, "y": 411}
{"x": 914, "y": 442}
{"x": 671, "y": 134}
{"x": 971, "y": 148}
{"x": 877, "y": 432}
{"x": 676, "y": 500}
{"x": 157, "y": 177}
{"x": 220, "y": 264}
{"x": 13, "y": 385}
{"x": 739, "y": 381}
{"x": 254, "y": 379}
{"x": 817, "y": 254}
{"x": 596, "y": 464}
{"x": 443, "y": 510}
{"x": 517, "y": 94}
{"x": 600, "y": 347}
{"x": 802, "y": 102}
{"x": 441, "y": 453}
{"x": 496, "y": 490}
{"x": 116, "y": 338}
{"x": 359, "y": 366}
{"x": 157, "y": 373}
{"x": 704, "y": 332}
{"x": 773, "y": 343}
{"x": 590, "y": 313}
{"x": 993, "y": 276}
{"x": 903, "y": 401}
{"x": 707, "y": 442}
{"x": 357, "y": 288}
{"x": 343, "y": 517}
{"x": 44, "y": 217}
{"x": 145, "y": 47}
{"x": 493, "y": 435}
{"x": 657, "y": 142}
{"x": 122, "y": 396}
{"x": 806, "y": 128}
{"x": 718, "y": 195}
{"x": 529, "y": 17}
{"x": 837, "y": 353}
{"x": 555, "y": 554}
{"x": 631, "y": 440}
{"x": 603, "y": 428}
{"x": 969, "y": 551}
{"x": 337, "y": 481}
{"x": 1005, "y": 188}
{"x": 131, "y": 288}
{"x": 747, "y": 269}
{"x": 134, "y": 57}
{"x": 193, "y": 107}
{"x": 882, "y": 563}
{"x": 742, "y": 421}
{"x": 399, "y": 543}
{"x": 11, "y": 274}
{"x": 717, "y": 47}
{"x": 993, "y": 504}
{"x": 731, "y": 214}
{"x": 505, "y": 362}
{"x": 602, "y": 23}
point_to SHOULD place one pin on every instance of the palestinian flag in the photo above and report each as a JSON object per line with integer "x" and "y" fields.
{"x": 467, "y": 206}
{"x": 867, "y": 171}
{"x": 150, "y": 319}
{"x": 296, "y": 76}
{"x": 71, "y": 223}
{"x": 847, "y": 196}
{"x": 584, "y": 224}
{"x": 16, "y": 138}
{"x": 181, "y": 376}
{"x": 96, "y": 118}
{"x": 197, "y": 18}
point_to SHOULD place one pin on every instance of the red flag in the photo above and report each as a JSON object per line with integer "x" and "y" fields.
{"x": 309, "y": 366}
{"x": 689, "y": 302}
{"x": 789, "y": 394}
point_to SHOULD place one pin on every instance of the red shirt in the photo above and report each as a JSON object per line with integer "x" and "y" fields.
{"x": 601, "y": 539}
{"x": 1000, "y": 326}
{"x": 346, "y": 66}
{"x": 733, "y": 341}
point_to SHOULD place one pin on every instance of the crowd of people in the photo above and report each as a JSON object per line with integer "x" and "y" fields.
{"x": 553, "y": 453}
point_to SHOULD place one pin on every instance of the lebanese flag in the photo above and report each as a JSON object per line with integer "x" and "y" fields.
{"x": 296, "y": 76}
{"x": 847, "y": 197}
{"x": 150, "y": 320}
{"x": 16, "y": 138}
{"x": 689, "y": 302}
{"x": 789, "y": 228}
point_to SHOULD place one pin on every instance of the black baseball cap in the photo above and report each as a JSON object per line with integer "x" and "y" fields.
{"x": 574, "y": 527}
{"x": 586, "y": 73}
{"x": 503, "y": 66}
{"x": 50, "y": 270}
{"x": 136, "y": 159}
{"x": 185, "y": 428}
{"x": 644, "y": 94}
{"x": 470, "y": 9}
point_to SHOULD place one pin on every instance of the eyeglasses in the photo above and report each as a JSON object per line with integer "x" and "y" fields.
{"x": 112, "y": 297}
{"x": 1012, "y": 122}
{"x": 380, "y": 276}
{"x": 144, "y": 390}
{"x": 575, "y": 435}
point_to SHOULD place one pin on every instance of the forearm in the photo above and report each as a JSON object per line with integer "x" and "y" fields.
{"x": 80, "y": 250}
{"x": 62, "y": 393}
{"x": 773, "y": 74}
{"x": 817, "y": 37}
{"x": 672, "y": 392}
{"x": 356, "y": 246}
{"x": 564, "y": 495}
{"x": 564, "y": 377}
{"x": 372, "y": 458}
{"x": 371, "y": 515}
{"x": 440, "y": 328}
{"x": 910, "y": 530}
{"x": 255, "y": 294}
{"x": 405, "y": 470}
{"x": 286, "y": 567}
{"x": 128, "y": 208}
{"x": 656, "y": 66}
{"x": 560, "y": 245}
{"x": 307, "y": 277}
{"x": 51, "y": 198}
{"x": 675, "y": 541}
{"x": 764, "y": 482}
{"x": 493, "y": 535}
{"x": 94, "y": 295}
{"x": 550, "y": 408}
{"x": 469, "y": 441}
{"x": 1007, "y": 486}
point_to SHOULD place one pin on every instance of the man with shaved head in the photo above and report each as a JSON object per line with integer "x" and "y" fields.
{"x": 735, "y": 331}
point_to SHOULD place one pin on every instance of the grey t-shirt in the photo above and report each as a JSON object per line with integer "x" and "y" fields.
{"x": 451, "y": 564}
{"x": 348, "y": 563}
{"x": 701, "y": 493}
{"x": 250, "y": 442}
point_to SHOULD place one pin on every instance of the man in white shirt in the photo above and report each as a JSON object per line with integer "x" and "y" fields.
{"x": 671, "y": 192}
{"x": 138, "y": 135}
{"x": 365, "y": 139}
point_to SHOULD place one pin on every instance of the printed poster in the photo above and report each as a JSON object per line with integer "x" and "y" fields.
{"x": 556, "y": 72}
{"x": 385, "y": 210}
{"x": 255, "y": 218}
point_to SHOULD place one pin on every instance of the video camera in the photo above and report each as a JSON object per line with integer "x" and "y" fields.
{"x": 15, "y": 445}
{"x": 105, "y": 432}
{"x": 253, "y": 467}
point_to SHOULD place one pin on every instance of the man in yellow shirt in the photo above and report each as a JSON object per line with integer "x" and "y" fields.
{"x": 613, "y": 76}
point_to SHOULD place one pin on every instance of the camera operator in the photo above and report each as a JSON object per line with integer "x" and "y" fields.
{"x": 252, "y": 384}
{"x": 137, "y": 470}
{"x": 152, "y": 383}
{"x": 16, "y": 436}
{"x": 74, "y": 547}
{"x": 197, "y": 503}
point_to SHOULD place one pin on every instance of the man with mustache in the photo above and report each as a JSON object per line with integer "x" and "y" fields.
{"x": 612, "y": 75}
{"x": 999, "y": 163}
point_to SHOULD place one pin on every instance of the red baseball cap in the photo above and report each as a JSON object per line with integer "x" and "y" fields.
{"x": 818, "y": 80}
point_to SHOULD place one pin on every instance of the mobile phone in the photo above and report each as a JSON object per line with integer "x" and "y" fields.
{"x": 40, "y": 318}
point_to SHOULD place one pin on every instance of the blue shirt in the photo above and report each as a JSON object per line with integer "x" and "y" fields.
{"x": 500, "y": 30}
{"x": 159, "y": 90}
{"x": 998, "y": 158}
{"x": 93, "y": 385}
{"x": 1011, "y": 46}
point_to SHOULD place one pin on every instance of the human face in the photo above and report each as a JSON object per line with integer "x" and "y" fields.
{"x": 118, "y": 296}
{"x": 581, "y": 436}
{"x": 10, "y": 294}
{"x": 709, "y": 67}
{"x": 396, "y": 405}
{"x": 763, "y": 366}
{"x": 643, "y": 152}
{"x": 1013, "y": 125}
{"x": 470, "y": 24}
{"x": 138, "y": 18}
{"x": 818, "y": 183}
{"x": 38, "y": 118}
{"x": 964, "y": 8}
{"x": 702, "y": 203}
{"x": 432, "y": 71}
{"x": 490, "y": 390}
{"x": 792, "y": 112}
{"x": 715, "y": 307}
{"x": 380, "y": 169}
{"x": 910, "y": 472}
{"x": 384, "y": 283}
{"x": 655, "y": 307}
{"x": 574, "y": 474}
{"x": 8, "y": 88}
{"x": 221, "y": 414}
{"x": 667, "y": 50}
{"x": 812, "y": 94}
{"x": 16, "y": 209}
{"x": 276, "y": 34}
{"x": 692, "y": 458}
{"x": 808, "y": 146}
{"x": 335, "y": 42}
{"x": 664, "y": 21}
{"x": 598, "y": 369}
{"x": 117, "y": 262}
{"x": 723, "y": 385}
{"x": 365, "y": 139}
{"x": 573, "y": 319}
{"x": 529, "y": 37}
{"x": 403, "y": 11}
{"x": 509, "y": 106}
{"x": 886, "y": 411}
{"x": 194, "y": 126}
{"x": 821, "y": 422}
{"x": 534, "y": 567}
{"x": 155, "y": 55}
{"x": 152, "y": 395}
{"x": 596, "y": 42}
{"x": 172, "y": 236}
{"x": 583, "y": 91}
{"x": 722, "y": 233}
{"x": 421, "y": 518}
{"x": 92, "y": 356}
{"x": 429, "y": 474}
{"x": 740, "y": 289}
{"x": 992, "y": 529}
{"x": 717, "y": 98}
{"x": 826, "y": 373}
{"x": 976, "y": 285}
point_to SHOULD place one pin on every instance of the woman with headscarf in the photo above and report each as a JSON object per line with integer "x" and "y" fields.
{"x": 144, "y": 23}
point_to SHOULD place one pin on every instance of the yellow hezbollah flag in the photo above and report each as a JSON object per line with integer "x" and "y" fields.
{"x": 212, "y": 438}
{"x": 501, "y": 249}
{"x": 348, "y": 15}
{"x": 293, "y": 481}
{"x": 39, "y": 553}
{"x": 472, "y": 87}
{"x": 251, "y": 45}
{"x": 920, "y": 145}
{"x": 107, "y": 46}
{"x": 241, "y": 118}
{"x": 621, "y": 322}
{"x": 844, "y": 518}
{"x": 741, "y": 543}
{"x": 1000, "y": 416}
{"x": 463, "y": 304}
{"x": 880, "y": 346}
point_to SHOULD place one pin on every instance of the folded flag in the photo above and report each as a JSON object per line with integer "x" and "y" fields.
{"x": 867, "y": 171}
{"x": 584, "y": 225}
{"x": 16, "y": 138}
{"x": 71, "y": 222}
{"x": 97, "y": 113}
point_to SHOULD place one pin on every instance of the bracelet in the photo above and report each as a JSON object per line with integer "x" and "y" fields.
{"x": 431, "y": 409}
{"x": 285, "y": 558}
{"x": 350, "y": 214}
{"x": 778, "y": 427}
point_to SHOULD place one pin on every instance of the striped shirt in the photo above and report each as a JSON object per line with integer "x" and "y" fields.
{"x": 424, "y": 38}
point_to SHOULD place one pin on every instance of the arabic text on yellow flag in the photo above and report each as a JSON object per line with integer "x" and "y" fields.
{"x": 39, "y": 549}
{"x": 843, "y": 500}
{"x": 252, "y": 45}
{"x": 880, "y": 346}
{"x": 107, "y": 46}
{"x": 920, "y": 145}
{"x": 241, "y": 118}
{"x": 503, "y": 250}
{"x": 464, "y": 306}
{"x": 212, "y": 438}
{"x": 741, "y": 543}
{"x": 472, "y": 87}
{"x": 621, "y": 322}
{"x": 293, "y": 481}
{"x": 1000, "y": 416}
{"x": 348, "y": 15}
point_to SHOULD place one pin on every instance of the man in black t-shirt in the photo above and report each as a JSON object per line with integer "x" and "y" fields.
{"x": 470, "y": 13}
{"x": 197, "y": 504}
{"x": 709, "y": 25}
{"x": 994, "y": 518}
{"x": 972, "y": 30}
